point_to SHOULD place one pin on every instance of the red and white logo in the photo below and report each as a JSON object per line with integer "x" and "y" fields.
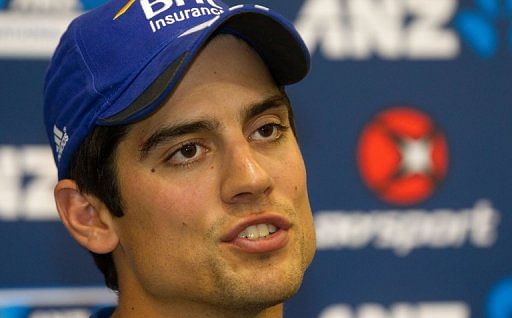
{"x": 402, "y": 155}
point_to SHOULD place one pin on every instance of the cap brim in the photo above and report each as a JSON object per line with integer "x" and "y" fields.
{"x": 271, "y": 36}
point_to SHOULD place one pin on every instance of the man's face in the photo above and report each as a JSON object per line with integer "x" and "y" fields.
{"x": 214, "y": 190}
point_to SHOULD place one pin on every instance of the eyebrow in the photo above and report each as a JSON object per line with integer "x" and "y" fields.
{"x": 169, "y": 132}
{"x": 274, "y": 101}
{"x": 189, "y": 127}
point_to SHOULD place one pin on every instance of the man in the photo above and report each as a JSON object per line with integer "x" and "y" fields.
{"x": 178, "y": 163}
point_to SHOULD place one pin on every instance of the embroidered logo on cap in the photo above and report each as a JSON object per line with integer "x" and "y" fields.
{"x": 60, "y": 137}
{"x": 156, "y": 7}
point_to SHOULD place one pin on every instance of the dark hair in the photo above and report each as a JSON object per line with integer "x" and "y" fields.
{"x": 93, "y": 167}
{"x": 94, "y": 171}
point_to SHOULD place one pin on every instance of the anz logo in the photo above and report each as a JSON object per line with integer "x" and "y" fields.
{"x": 27, "y": 178}
{"x": 405, "y": 29}
{"x": 479, "y": 26}
{"x": 363, "y": 29}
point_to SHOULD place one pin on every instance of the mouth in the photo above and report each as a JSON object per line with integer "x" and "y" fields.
{"x": 259, "y": 234}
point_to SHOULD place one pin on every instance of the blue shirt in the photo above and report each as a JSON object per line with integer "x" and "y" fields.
{"x": 105, "y": 312}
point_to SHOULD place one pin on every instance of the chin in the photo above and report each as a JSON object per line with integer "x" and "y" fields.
{"x": 260, "y": 296}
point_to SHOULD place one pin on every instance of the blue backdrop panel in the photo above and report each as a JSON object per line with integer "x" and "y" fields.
{"x": 404, "y": 121}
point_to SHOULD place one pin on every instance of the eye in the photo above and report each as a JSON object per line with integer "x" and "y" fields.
{"x": 186, "y": 154}
{"x": 272, "y": 131}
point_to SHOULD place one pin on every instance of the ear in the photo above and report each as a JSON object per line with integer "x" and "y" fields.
{"x": 86, "y": 218}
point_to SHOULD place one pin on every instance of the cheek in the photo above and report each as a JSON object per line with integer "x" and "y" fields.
{"x": 162, "y": 229}
{"x": 292, "y": 178}
{"x": 290, "y": 175}
{"x": 178, "y": 212}
{"x": 154, "y": 211}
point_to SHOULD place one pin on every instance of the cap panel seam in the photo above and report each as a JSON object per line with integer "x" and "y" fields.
{"x": 79, "y": 43}
{"x": 51, "y": 77}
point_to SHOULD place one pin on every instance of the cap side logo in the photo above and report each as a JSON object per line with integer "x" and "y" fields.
{"x": 124, "y": 9}
{"x": 61, "y": 138}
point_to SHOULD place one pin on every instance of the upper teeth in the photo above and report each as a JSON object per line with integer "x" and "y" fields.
{"x": 255, "y": 232}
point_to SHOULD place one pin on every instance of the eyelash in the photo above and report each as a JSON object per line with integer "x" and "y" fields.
{"x": 181, "y": 147}
{"x": 280, "y": 130}
{"x": 187, "y": 163}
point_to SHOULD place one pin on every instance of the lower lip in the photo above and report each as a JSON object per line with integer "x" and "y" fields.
{"x": 271, "y": 243}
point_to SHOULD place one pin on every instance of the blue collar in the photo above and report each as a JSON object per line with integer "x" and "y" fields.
{"x": 105, "y": 312}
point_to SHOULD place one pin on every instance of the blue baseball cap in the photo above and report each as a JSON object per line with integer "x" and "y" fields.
{"x": 118, "y": 63}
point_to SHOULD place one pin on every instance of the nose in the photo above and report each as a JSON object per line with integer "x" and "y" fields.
{"x": 245, "y": 180}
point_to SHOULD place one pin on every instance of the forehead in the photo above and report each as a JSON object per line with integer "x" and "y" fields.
{"x": 227, "y": 74}
{"x": 226, "y": 63}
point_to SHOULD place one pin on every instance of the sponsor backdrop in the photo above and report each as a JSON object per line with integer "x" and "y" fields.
{"x": 405, "y": 122}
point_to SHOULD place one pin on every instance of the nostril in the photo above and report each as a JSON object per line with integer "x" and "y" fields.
{"x": 248, "y": 196}
{"x": 244, "y": 196}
